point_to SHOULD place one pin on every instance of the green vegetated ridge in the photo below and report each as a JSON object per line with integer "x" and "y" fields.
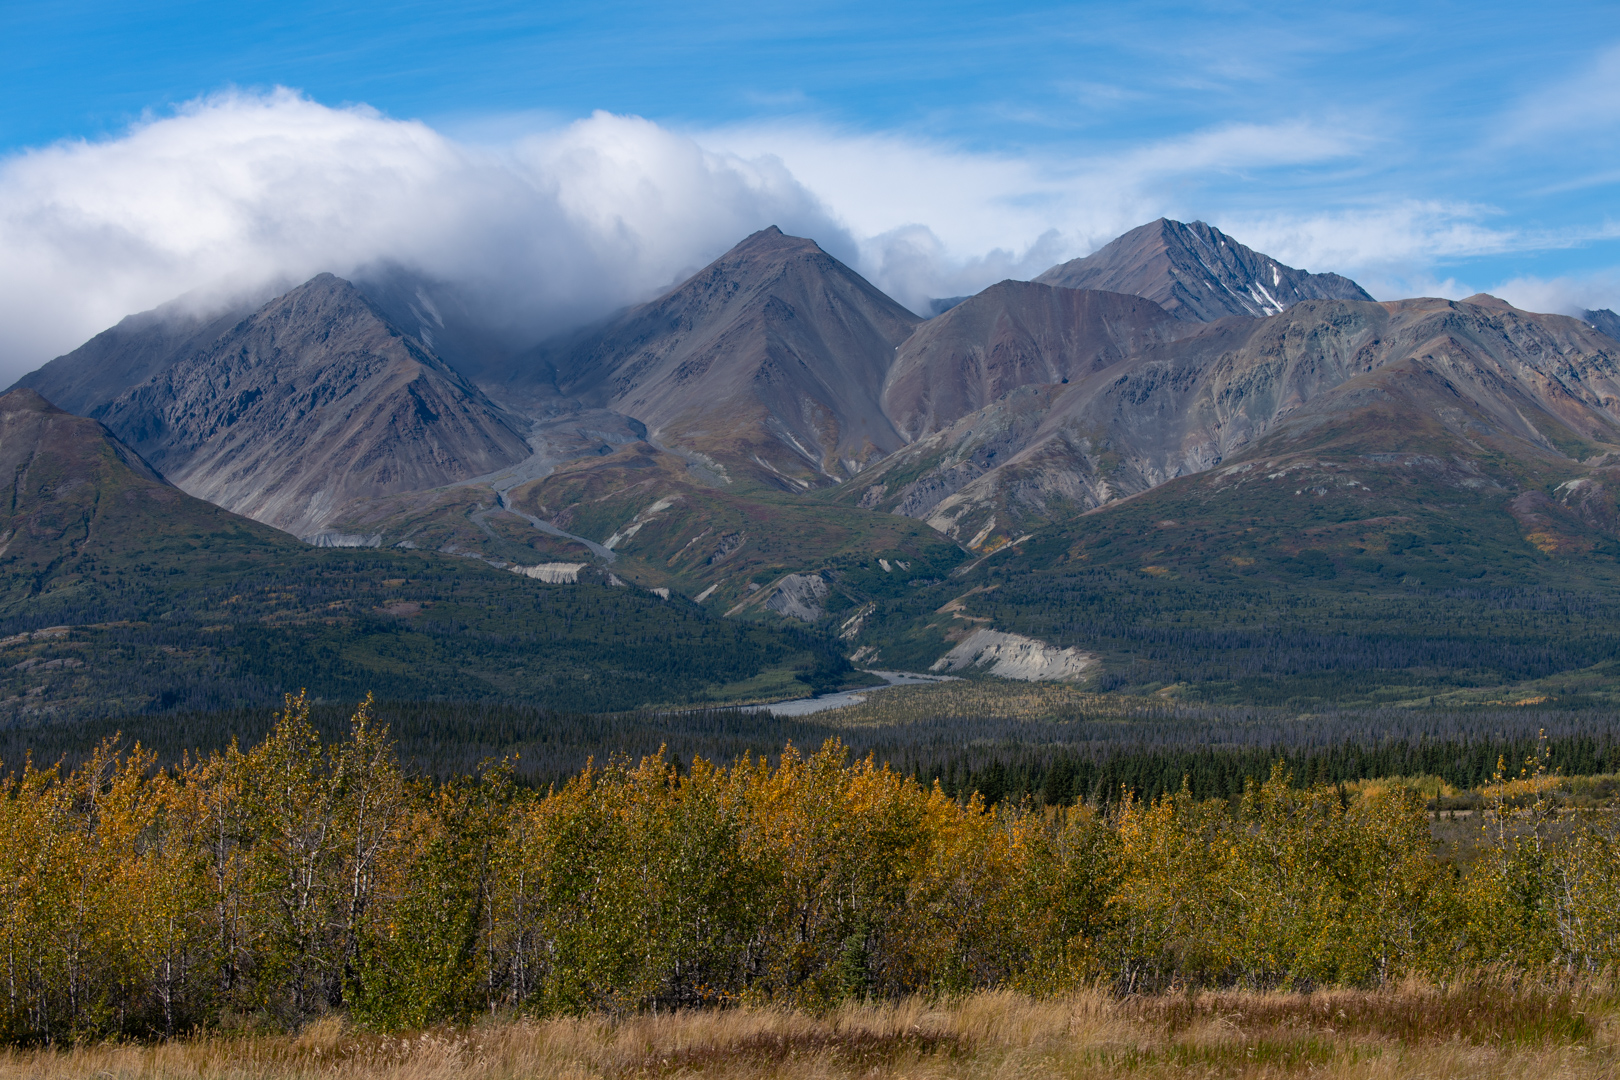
{"x": 121, "y": 594}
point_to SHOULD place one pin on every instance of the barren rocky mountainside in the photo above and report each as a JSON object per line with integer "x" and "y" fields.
{"x": 88, "y": 379}
{"x": 1604, "y": 321}
{"x": 1545, "y": 384}
{"x": 1195, "y": 271}
{"x": 1014, "y": 334}
{"x": 769, "y": 362}
{"x": 311, "y": 402}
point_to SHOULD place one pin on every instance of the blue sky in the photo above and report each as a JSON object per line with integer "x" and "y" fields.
{"x": 1419, "y": 147}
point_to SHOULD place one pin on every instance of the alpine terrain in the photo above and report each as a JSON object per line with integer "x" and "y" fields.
{"x": 1091, "y": 476}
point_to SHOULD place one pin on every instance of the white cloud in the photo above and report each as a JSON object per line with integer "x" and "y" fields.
{"x": 1562, "y": 295}
{"x": 239, "y": 190}
{"x": 935, "y": 220}
{"x": 552, "y": 223}
{"x": 1392, "y": 249}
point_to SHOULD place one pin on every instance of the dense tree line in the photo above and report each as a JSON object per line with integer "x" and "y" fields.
{"x": 295, "y": 877}
{"x": 1063, "y": 756}
{"x": 1208, "y": 772}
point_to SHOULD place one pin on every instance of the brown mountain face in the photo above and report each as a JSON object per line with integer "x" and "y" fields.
{"x": 311, "y": 402}
{"x": 769, "y": 363}
{"x": 1014, "y": 334}
{"x": 1399, "y": 474}
{"x": 1491, "y": 375}
{"x": 77, "y": 494}
{"x": 88, "y": 379}
{"x": 1196, "y": 272}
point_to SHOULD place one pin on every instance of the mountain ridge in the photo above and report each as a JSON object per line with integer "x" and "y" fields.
{"x": 1187, "y": 405}
{"x": 775, "y": 437}
{"x": 78, "y": 495}
{"x": 1013, "y": 334}
{"x": 1196, "y": 272}
{"x": 88, "y": 379}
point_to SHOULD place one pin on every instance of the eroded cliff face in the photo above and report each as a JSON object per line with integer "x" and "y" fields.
{"x": 1013, "y": 656}
{"x": 310, "y": 403}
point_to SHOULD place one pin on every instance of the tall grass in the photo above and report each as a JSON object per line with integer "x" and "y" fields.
{"x": 1479, "y": 1028}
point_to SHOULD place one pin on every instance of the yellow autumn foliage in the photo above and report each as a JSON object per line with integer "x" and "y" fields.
{"x": 263, "y": 886}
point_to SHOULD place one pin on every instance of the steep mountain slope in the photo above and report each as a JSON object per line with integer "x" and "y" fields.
{"x": 79, "y": 498}
{"x": 439, "y": 316}
{"x": 1013, "y": 334}
{"x": 1546, "y": 384}
{"x": 88, "y": 379}
{"x": 444, "y": 318}
{"x": 311, "y": 402}
{"x": 1195, "y": 271}
{"x": 768, "y": 362}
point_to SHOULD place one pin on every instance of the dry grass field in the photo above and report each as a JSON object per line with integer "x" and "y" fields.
{"x": 1485, "y": 1029}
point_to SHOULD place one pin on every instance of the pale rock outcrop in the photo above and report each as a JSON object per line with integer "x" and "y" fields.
{"x": 1013, "y": 656}
{"x": 799, "y": 596}
{"x": 552, "y": 573}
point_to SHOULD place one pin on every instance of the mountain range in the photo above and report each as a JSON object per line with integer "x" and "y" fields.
{"x": 778, "y": 441}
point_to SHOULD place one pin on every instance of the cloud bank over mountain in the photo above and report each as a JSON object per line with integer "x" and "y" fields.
{"x": 241, "y": 193}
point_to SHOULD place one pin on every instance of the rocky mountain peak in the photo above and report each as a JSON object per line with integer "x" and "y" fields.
{"x": 771, "y": 241}
{"x": 22, "y": 399}
{"x": 312, "y": 401}
{"x": 772, "y": 358}
{"x": 1486, "y": 300}
{"x": 1196, "y": 272}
